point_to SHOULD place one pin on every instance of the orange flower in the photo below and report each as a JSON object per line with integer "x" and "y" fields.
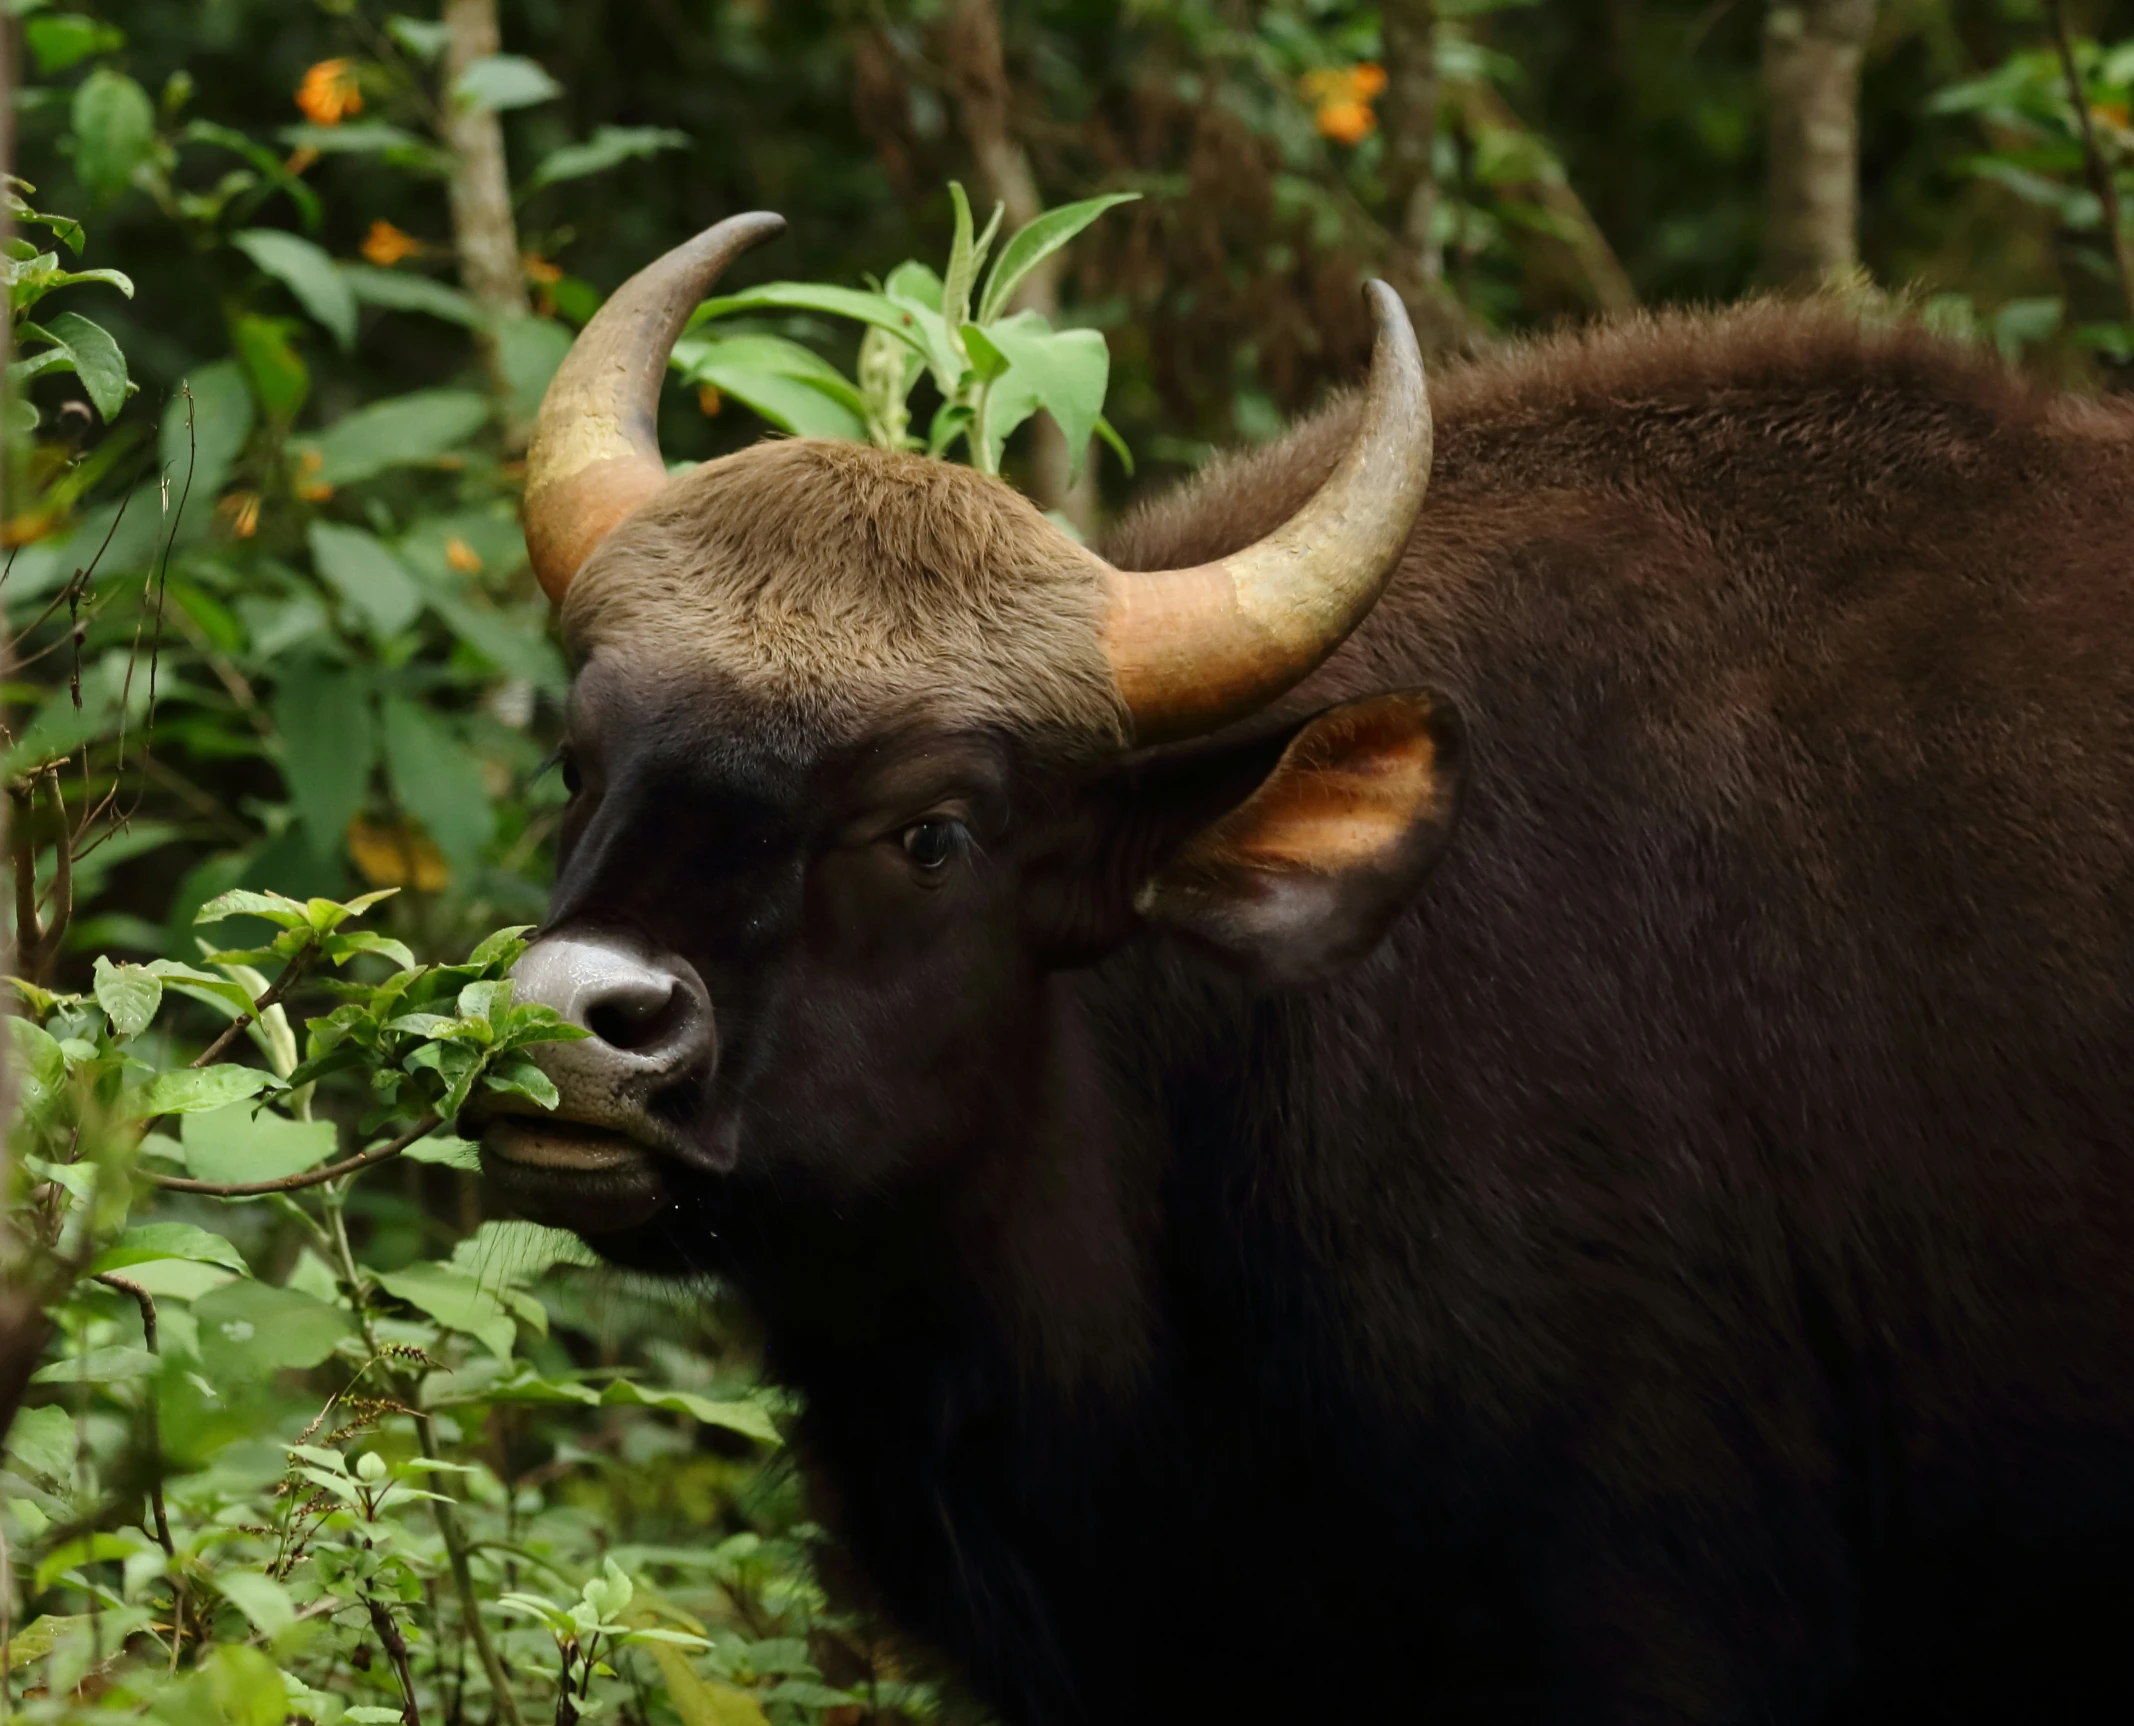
{"x": 385, "y": 245}
{"x": 1342, "y": 96}
{"x": 462, "y": 556}
{"x": 241, "y": 510}
{"x": 328, "y": 94}
{"x": 308, "y": 486}
{"x": 540, "y": 270}
{"x": 708, "y": 402}
{"x": 300, "y": 159}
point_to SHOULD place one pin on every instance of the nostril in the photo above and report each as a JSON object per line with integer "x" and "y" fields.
{"x": 640, "y": 1020}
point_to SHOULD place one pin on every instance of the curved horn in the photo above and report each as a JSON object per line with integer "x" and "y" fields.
{"x": 595, "y": 452}
{"x": 1192, "y": 649}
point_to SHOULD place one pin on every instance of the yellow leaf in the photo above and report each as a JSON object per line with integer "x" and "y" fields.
{"x": 699, "y": 1701}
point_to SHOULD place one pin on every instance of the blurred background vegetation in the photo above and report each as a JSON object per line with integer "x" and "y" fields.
{"x": 272, "y": 631}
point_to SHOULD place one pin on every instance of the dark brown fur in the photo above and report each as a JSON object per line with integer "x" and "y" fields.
{"x": 1684, "y": 1273}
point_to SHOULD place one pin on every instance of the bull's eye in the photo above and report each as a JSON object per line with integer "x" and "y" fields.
{"x": 573, "y": 780}
{"x": 930, "y": 844}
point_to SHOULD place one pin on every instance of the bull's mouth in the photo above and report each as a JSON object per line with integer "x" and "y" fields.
{"x": 564, "y": 1173}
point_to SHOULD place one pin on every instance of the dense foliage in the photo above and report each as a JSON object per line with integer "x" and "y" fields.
{"x": 307, "y": 1431}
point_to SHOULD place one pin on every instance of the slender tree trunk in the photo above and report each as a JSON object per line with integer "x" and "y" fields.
{"x": 971, "y": 39}
{"x": 1411, "y": 116}
{"x": 483, "y": 230}
{"x": 1812, "y": 51}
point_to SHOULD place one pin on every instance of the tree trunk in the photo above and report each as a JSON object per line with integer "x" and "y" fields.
{"x": 483, "y": 230}
{"x": 1812, "y": 51}
{"x": 972, "y": 48}
{"x": 1411, "y": 116}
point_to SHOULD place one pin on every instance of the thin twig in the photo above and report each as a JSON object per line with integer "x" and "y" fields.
{"x": 504, "y": 1704}
{"x": 396, "y": 1649}
{"x": 147, "y": 1303}
{"x": 2093, "y": 162}
{"x": 274, "y": 994}
{"x": 311, "y": 1178}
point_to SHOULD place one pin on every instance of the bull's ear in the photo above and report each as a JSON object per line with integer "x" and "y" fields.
{"x": 1310, "y": 869}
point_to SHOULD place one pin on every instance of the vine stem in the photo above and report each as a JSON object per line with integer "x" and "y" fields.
{"x": 150, "y": 1336}
{"x": 454, "y": 1536}
{"x": 2094, "y": 165}
{"x": 422, "y": 1129}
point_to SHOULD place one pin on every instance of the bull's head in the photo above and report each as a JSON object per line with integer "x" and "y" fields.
{"x": 859, "y": 774}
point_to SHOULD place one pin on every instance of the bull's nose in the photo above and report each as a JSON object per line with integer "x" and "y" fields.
{"x": 650, "y": 1024}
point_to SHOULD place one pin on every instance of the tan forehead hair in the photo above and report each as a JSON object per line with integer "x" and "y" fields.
{"x": 855, "y": 583}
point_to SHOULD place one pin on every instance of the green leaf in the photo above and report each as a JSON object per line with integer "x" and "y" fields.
{"x": 85, "y": 1549}
{"x": 308, "y": 272}
{"x": 366, "y": 575}
{"x": 233, "y": 1146}
{"x": 746, "y": 1418}
{"x": 97, "y": 362}
{"x": 1064, "y": 372}
{"x": 425, "y": 39}
{"x": 456, "y": 1301}
{"x": 697, "y": 1700}
{"x": 328, "y": 740}
{"x": 965, "y": 257}
{"x": 64, "y": 39}
{"x": 499, "y": 81}
{"x": 243, "y": 902}
{"x": 608, "y": 147}
{"x": 875, "y": 309}
{"x": 38, "y": 1639}
{"x": 129, "y": 995}
{"x": 152, "y": 1241}
{"x": 1117, "y": 444}
{"x": 205, "y": 445}
{"x": 260, "y": 1598}
{"x": 98, "y": 1366}
{"x": 249, "y": 1329}
{"x": 1036, "y": 242}
{"x": 189, "y": 1090}
{"x": 44, "y": 1441}
{"x": 365, "y": 138}
{"x": 986, "y": 360}
{"x": 279, "y": 377}
{"x": 530, "y": 352}
{"x": 418, "y": 427}
{"x": 403, "y": 291}
{"x": 114, "y": 132}
{"x": 342, "y": 948}
{"x": 524, "y": 1079}
{"x": 437, "y": 781}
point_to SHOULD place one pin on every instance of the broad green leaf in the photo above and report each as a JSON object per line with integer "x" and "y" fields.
{"x": 987, "y": 361}
{"x": 606, "y": 148}
{"x": 965, "y": 257}
{"x": 36, "y": 1640}
{"x": 308, "y": 272}
{"x": 396, "y": 432}
{"x": 260, "y": 1598}
{"x": 502, "y": 1254}
{"x": 97, "y": 362}
{"x": 1064, "y": 372}
{"x": 746, "y": 1418}
{"x": 328, "y": 743}
{"x": 190, "y": 1090}
{"x": 867, "y": 308}
{"x": 250, "y": 1329}
{"x": 114, "y": 132}
{"x": 499, "y": 81}
{"x": 152, "y": 1241}
{"x": 97, "y": 1366}
{"x": 453, "y": 1153}
{"x": 129, "y": 994}
{"x": 530, "y": 351}
{"x": 44, "y": 1441}
{"x": 61, "y": 40}
{"x": 342, "y": 948}
{"x": 84, "y": 1549}
{"x": 425, "y": 39}
{"x": 795, "y": 389}
{"x": 437, "y": 781}
{"x": 235, "y": 1686}
{"x": 235, "y": 1146}
{"x": 279, "y": 377}
{"x": 243, "y": 902}
{"x": 1037, "y": 241}
{"x": 367, "y": 137}
{"x": 523, "y": 1079}
{"x": 366, "y": 575}
{"x": 456, "y": 1301}
{"x": 403, "y": 291}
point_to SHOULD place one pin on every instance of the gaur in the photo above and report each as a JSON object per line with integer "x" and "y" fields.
{"x": 1510, "y": 1108}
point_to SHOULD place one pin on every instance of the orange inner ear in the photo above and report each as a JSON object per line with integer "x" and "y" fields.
{"x": 1351, "y": 791}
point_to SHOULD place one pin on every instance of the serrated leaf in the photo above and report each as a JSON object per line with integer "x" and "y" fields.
{"x": 129, "y": 995}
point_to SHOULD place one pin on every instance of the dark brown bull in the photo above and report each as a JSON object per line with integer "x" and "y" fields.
{"x": 1674, "y": 1263}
